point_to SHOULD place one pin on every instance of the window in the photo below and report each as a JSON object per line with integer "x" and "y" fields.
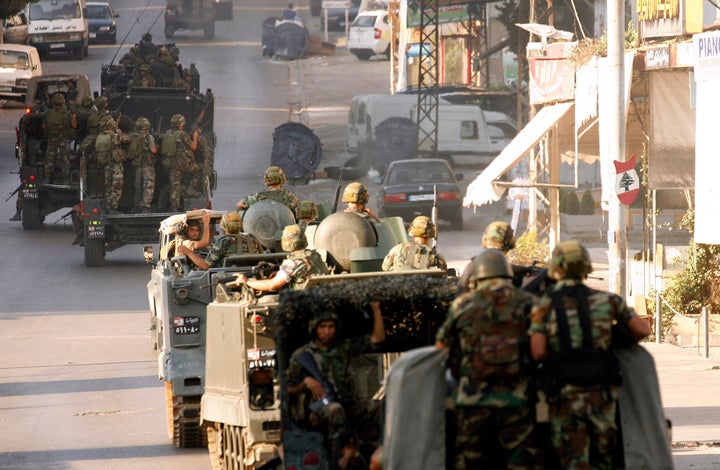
{"x": 468, "y": 130}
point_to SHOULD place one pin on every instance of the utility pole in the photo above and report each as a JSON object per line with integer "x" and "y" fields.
{"x": 617, "y": 213}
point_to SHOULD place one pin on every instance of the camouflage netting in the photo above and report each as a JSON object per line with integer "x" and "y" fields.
{"x": 413, "y": 308}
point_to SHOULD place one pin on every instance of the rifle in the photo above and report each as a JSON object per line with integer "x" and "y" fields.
{"x": 331, "y": 396}
{"x": 434, "y": 214}
{"x": 200, "y": 117}
{"x": 223, "y": 281}
{"x": 64, "y": 216}
{"x": 14, "y": 192}
{"x": 337, "y": 192}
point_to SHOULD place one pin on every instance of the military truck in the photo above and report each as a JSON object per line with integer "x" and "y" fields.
{"x": 250, "y": 338}
{"x": 178, "y": 296}
{"x": 104, "y": 232}
{"x": 196, "y": 15}
{"x": 39, "y": 196}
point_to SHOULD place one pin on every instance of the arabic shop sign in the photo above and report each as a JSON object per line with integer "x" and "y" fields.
{"x": 446, "y": 14}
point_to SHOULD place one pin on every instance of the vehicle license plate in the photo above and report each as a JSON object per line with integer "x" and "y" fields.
{"x": 420, "y": 197}
{"x": 58, "y": 45}
{"x": 30, "y": 193}
{"x": 186, "y": 325}
{"x": 93, "y": 35}
{"x": 96, "y": 232}
{"x": 261, "y": 358}
{"x": 5, "y": 88}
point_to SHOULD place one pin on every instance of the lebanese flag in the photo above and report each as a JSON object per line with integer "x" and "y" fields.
{"x": 627, "y": 182}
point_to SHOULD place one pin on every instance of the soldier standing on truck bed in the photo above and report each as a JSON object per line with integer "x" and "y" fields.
{"x": 94, "y": 171}
{"x": 177, "y": 153}
{"x": 110, "y": 153}
{"x": 486, "y": 332}
{"x": 417, "y": 253}
{"x": 274, "y": 180}
{"x": 142, "y": 152}
{"x": 356, "y": 197}
{"x": 58, "y": 125}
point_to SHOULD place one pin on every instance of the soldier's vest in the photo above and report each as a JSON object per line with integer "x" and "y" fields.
{"x": 247, "y": 243}
{"x": 415, "y": 256}
{"x": 313, "y": 261}
{"x": 169, "y": 143}
{"x": 104, "y": 147}
{"x": 93, "y": 122}
{"x": 57, "y": 124}
{"x": 138, "y": 151}
{"x": 499, "y": 353}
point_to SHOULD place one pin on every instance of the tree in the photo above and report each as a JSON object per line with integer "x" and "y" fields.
{"x": 12, "y": 7}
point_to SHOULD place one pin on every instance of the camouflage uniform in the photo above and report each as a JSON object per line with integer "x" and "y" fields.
{"x": 58, "y": 128}
{"x": 410, "y": 255}
{"x": 281, "y": 195}
{"x": 112, "y": 159}
{"x": 144, "y": 164}
{"x": 181, "y": 164}
{"x": 230, "y": 244}
{"x": 582, "y": 418}
{"x": 486, "y": 333}
{"x": 300, "y": 265}
{"x": 337, "y": 421}
{"x": 145, "y": 80}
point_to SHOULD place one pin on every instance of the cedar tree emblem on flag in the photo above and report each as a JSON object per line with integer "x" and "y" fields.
{"x": 627, "y": 183}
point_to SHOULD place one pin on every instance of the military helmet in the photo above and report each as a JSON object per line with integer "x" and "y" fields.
{"x": 307, "y": 210}
{"x": 58, "y": 99}
{"x": 231, "y": 222}
{"x": 87, "y": 102}
{"x": 101, "y": 102}
{"x": 422, "y": 226}
{"x": 274, "y": 175}
{"x": 177, "y": 121}
{"x": 490, "y": 263}
{"x": 142, "y": 124}
{"x": 147, "y": 37}
{"x": 321, "y": 317}
{"x": 499, "y": 236}
{"x": 569, "y": 260}
{"x": 293, "y": 238}
{"x": 356, "y": 192}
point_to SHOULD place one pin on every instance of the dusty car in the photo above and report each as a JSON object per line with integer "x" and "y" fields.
{"x": 18, "y": 63}
{"x": 369, "y": 34}
{"x": 408, "y": 190}
{"x": 15, "y": 29}
{"x": 102, "y": 22}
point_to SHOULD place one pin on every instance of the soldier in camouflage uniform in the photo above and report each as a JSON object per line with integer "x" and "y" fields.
{"x": 582, "y": 417}
{"x": 300, "y": 264}
{"x": 142, "y": 151}
{"x": 145, "y": 80}
{"x": 307, "y": 214}
{"x": 94, "y": 172}
{"x": 356, "y": 197}
{"x": 486, "y": 332}
{"x": 342, "y": 418}
{"x": 182, "y": 162}
{"x": 498, "y": 236}
{"x": 58, "y": 125}
{"x": 234, "y": 241}
{"x": 113, "y": 158}
{"x": 417, "y": 253}
{"x": 274, "y": 180}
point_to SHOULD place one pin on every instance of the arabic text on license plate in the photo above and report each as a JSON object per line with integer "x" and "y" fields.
{"x": 186, "y": 325}
{"x": 58, "y": 45}
{"x": 420, "y": 197}
{"x": 30, "y": 194}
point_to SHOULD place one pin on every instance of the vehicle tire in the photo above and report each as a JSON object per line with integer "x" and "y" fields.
{"x": 232, "y": 447}
{"x": 79, "y": 53}
{"x": 387, "y": 52}
{"x": 183, "y": 420}
{"x": 363, "y": 55}
{"x": 457, "y": 221}
{"x": 94, "y": 252}
{"x": 32, "y": 219}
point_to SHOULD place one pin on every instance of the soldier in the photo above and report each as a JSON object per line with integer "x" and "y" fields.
{"x": 571, "y": 331}
{"x": 109, "y": 153}
{"x": 94, "y": 171}
{"x": 274, "y": 180}
{"x": 300, "y": 264}
{"x": 307, "y": 214}
{"x": 145, "y": 80}
{"x": 336, "y": 412}
{"x": 356, "y": 197}
{"x": 58, "y": 125}
{"x": 146, "y": 47}
{"x": 82, "y": 114}
{"x": 498, "y": 236}
{"x": 486, "y": 332}
{"x": 196, "y": 236}
{"x": 234, "y": 241}
{"x": 177, "y": 151}
{"x": 417, "y": 253}
{"x": 142, "y": 152}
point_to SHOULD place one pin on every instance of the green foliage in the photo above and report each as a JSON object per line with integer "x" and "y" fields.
{"x": 572, "y": 204}
{"x": 12, "y": 7}
{"x": 587, "y": 203}
{"x": 529, "y": 249}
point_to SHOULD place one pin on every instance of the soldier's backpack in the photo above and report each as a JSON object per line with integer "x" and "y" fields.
{"x": 168, "y": 144}
{"x": 103, "y": 147}
{"x": 135, "y": 149}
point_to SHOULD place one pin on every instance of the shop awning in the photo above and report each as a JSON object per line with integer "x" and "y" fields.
{"x": 483, "y": 190}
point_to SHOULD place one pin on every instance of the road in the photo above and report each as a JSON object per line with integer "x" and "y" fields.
{"x": 78, "y": 378}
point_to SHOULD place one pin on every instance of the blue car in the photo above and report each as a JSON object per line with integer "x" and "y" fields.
{"x": 102, "y": 22}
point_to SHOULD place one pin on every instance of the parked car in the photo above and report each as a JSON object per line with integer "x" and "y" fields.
{"x": 369, "y": 34}
{"x": 408, "y": 190}
{"x": 15, "y": 29}
{"x": 102, "y": 21}
{"x": 336, "y": 16}
{"x": 18, "y": 63}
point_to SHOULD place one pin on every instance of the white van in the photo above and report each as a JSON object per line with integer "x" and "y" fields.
{"x": 18, "y": 63}
{"x": 58, "y": 26}
{"x": 367, "y": 111}
{"x": 464, "y": 136}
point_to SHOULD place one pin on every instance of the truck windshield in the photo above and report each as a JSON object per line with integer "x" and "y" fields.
{"x": 13, "y": 60}
{"x": 54, "y": 10}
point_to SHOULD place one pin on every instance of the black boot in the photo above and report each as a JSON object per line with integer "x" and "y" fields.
{"x": 17, "y": 217}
